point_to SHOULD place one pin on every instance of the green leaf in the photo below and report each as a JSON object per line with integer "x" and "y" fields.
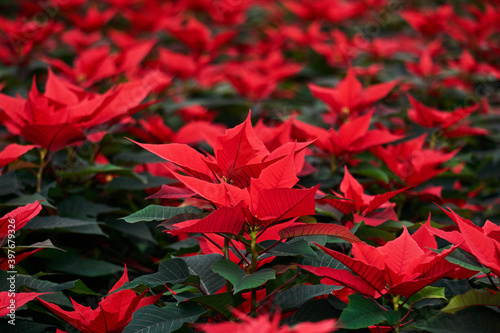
{"x": 426, "y": 293}
{"x": 65, "y": 223}
{"x": 222, "y": 303}
{"x": 363, "y": 312}
{"x": 171, "y": 317}
{"x": 298, "y": 295}
{"x": 472, "y": 298}
{"x": 199, "y": 266}
{"x": 73, "y": 264}
{"x": 292, "y": 248}
{"x": 145, "y": 181}
{"x": 22, "y": 326}
{"x": 90, "y": 170}
{"x": 46, "y": 244}
{"x": 470, "y": 320}
{"x": 27, "y": 199}
{"x": 136, "y": 230}
{"x": 81, "y": 288}
{"x": 313, "y": 311}
{"x": 371, "y": 171}
{"x": 79, "y": 208}
{"x": 240, "y": 280}
{"x": 174, "y": 270}
{"x": 160, "y": 213}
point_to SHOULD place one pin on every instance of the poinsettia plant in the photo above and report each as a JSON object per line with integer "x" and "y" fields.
{"x": 138, "y": 193}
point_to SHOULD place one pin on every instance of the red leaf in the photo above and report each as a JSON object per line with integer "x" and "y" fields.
{"x": 12, "y": 152}
{"x": 345, "y": 278}
{"x": 374, "y": 276}
{"x": 239, "y": 146}
{"x": 190, "y": 160}
{"x": 53, "y": 137}
{"x": 284, "y": 203}
{"x": 228, "y": 220}
{"x": 20, "y": 215}
{"x": 319, "y": 229}
{"x": 20, "y": 298}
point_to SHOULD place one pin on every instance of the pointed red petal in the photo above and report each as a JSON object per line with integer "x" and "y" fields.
{"x": 20, "y": 215}
{"x": 53, "y": 137}
{"x": 351, "y": 188}
{"x": 319, "y": 229}
{"x": 379, "y": 199}
{"x": 345, "y": 278}
{"x": 228, "y": 220}
{"x": 239, "y": 146}
{"x": 285, "y": 203}
{"x": 190, "y": 160}
{"x": 374, "y": 276}
{"x": 12, "y": 152}
{"x": 400, "y": 254}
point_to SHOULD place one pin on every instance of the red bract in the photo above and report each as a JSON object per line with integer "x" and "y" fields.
{"x": 12, "y": 152}
{"x": 333, "y": 11}
{"x": 352, "y": 137}
{"x": 411, "y": 162}
{"x": 432, "y": 118}
{"x": 257, "y": 78}
{"x": 349, "y": 97}
{"x": 20, "y": 216}
{"x": 425, "y": 67}
{"x": 20, "y": 299}
{"x": 362, "y": 205}
{"x": 93, "y": 19}
{"x": 96, "y": 64}
{"x": 483, "y": 243}
{"x": 269, "y": 199}
{"x": 112, "y": 314}
{"x": 264, "y": 324}
{"x": 429, "y": 22}
{"x": 20, "y": 39}
{"x": 197, "y": 36}
{"x": 400, "y": 267}
{"x": 65, "y": 114}
{"x": 239, "y": 156}
{"x": 190, "y": 66}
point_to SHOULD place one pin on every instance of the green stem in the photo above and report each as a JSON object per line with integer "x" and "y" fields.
{"x": 43, "y": 154}
{"x": 225, "y": 250}
{"x": 253, "y": 267}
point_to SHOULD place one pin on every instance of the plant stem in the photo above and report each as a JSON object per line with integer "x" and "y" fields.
{"x": 492, "y": 282}
{"x": 225, "y": 250}
{"x": 43, "y": 154}
{"x": 253, "y": 267}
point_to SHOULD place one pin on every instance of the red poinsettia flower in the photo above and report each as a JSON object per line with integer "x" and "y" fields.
{"x": 257, "y": 78}
{"x": 239, "y": 156}
{"x": 482, "y": 242}
{"x": 349, "y": 97}
{"x": 353, "y": 136}
{"x": 362, "y": 205}
{"x": 400, "y": 267}
{"x": 448, "y": 121}
{"x": 65, "y": 113}
{"x": 411, "y": 162}
{"x": 112, "y": 314}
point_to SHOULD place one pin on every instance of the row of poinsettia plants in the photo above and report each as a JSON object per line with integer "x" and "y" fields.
{"x": 249, "y": 165}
